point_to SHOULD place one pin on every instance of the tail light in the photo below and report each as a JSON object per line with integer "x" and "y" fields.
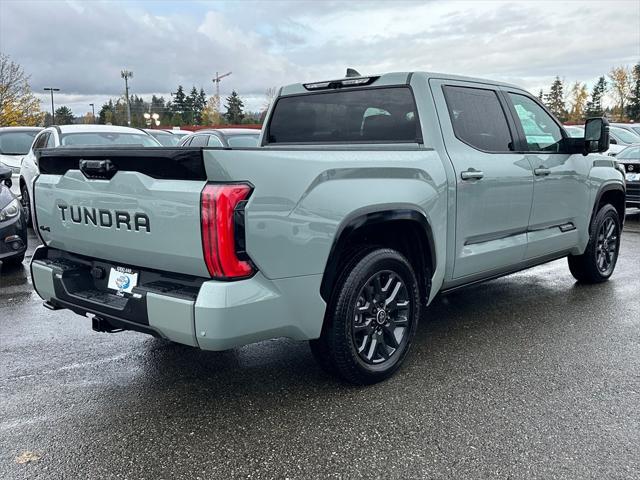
{"x": 219, "y": 223}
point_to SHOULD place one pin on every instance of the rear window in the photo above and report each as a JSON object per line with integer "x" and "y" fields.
{"x": 243, "y": 140}
{"x": 370, "y": 115}
{"x": 107, "y": 138}
{"x": 16, "y": 143}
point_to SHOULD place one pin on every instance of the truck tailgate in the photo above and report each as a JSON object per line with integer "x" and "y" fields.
{"x": 142, "y": 208}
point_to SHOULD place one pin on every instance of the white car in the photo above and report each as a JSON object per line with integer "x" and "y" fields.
{"x": 76, "y": 136}
{"x": 14, "y": 144}
{"x": 632, "y": 127}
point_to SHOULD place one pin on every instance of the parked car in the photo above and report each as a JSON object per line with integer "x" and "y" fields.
{"x": 13, "y": 228}
{"x": 630, "y": 159}
{"x": 14, "y": 144}
{"x": 167, "y": 139}
{"x": 76, "y": 136}
{"x": 223, "y": 137}
{"x": 632, "y": 127}
{"x": 623, "y": 137}
{"x": 577, "y": 131}
{"x": 368, "y": 197}
{"x": 179, "y": 133}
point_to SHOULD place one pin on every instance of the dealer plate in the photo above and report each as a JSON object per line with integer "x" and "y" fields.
{"x": 633, "y": 177}
{"x": 122, "y": 279}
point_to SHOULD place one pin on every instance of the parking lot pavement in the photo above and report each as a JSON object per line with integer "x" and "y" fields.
{"x": 529, "y": 376}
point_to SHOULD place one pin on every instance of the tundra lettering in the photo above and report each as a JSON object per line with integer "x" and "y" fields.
{"x": 104, "y": 218}
{"x": 366, "y": 197}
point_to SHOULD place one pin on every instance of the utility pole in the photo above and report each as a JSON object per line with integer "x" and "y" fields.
{"x": 53, "y": 113}
{"x": 127, "y": 74}
{"x": 93, "y": 112}
{"x": 216, "y": 80}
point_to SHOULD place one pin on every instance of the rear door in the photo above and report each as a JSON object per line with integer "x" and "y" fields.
{"x": 561, "y": 200}
{"x": 494, "y": 182}
{"x": 134, "y": 207}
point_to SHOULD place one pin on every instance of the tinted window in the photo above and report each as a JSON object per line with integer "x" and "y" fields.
{"x": 345, "y": 116}
{"x": 542, "y": 133}
{"x": 16, "y": 143}
{"x": 214, "y": 141}
{"x": 41, "y": 141}
{"x": 478, "y": 118}
{"x": 166, "y": 139}
{"x": 107, "y": 138}
{"x": 630, "y": 152}
{"x": 199, "y": 141}
{"x": 243, "y": 140}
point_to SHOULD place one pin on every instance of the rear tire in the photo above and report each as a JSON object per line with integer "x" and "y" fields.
{"x": 598, "y": 261}
{"x": 26, "y": 203}
{"x": 371, "y": 319}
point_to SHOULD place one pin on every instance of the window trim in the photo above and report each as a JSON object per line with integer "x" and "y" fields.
{"x": 515, "y": 140}
{"x": 46, "y": 134}
{"x": 523, "y": 138}
{"x": 419, "y": 137}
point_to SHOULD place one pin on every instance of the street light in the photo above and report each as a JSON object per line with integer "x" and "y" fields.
{"x": 53, "y": 113}
{"x": 93, "y": 110}
{"x": 127, "y": 74}
{"x": 152, "y": 118}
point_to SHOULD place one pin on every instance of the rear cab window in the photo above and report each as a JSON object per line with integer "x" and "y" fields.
{"x": 371, "y": 115}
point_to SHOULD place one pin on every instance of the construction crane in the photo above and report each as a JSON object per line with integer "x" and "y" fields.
{"x": 216, "y": 80}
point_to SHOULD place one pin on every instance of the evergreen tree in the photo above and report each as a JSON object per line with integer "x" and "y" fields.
{"x": 634, "y": 99}
{"x": 554, "y": 100}
{"x": 63, "y": 116}
{"x": 179, "y": 99}
{"x": 541, "y": 96}
{"x": 234, "y": 106}
{"x": 105, "y": 115}
{"x": 199, "y": 104}
{"x": 176, "y": 120}
{"x": 594, "y": 105}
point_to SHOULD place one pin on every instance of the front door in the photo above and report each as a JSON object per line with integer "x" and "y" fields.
{"x": 561, "y": 203}
{"x": 494, "y": 183}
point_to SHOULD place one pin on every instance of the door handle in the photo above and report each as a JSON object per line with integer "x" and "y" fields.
{"x": 541, "y": 172}
{"x": 471, "y": 175}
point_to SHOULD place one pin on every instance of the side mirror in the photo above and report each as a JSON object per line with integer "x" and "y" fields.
{"x": 596, "y": 135}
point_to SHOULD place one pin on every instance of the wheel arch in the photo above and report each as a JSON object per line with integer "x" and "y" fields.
{"x": 613, "y": 193}
{"x": 365, "y": 226}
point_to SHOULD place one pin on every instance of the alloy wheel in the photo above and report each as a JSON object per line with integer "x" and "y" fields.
{"x": 607, "y": 245}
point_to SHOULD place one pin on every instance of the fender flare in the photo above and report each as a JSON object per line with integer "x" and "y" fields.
{"x": 607, "y": 187}
{"x": 366, "y": 217}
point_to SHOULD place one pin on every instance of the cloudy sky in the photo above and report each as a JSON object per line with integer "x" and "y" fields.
{"x": 81, "y": 46}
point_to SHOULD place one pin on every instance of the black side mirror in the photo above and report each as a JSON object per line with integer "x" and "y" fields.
{"x": 596, "y": 135}
{"x": 5, "y": 176}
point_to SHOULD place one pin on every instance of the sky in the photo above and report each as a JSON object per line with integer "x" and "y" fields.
{"x": 81, "y": 46}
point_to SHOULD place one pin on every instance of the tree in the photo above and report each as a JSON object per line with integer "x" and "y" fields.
{"x": 199, "y": 104}
{"x": 541, "y": 96}
{"x": 634, "y": 98}
{"x": 179, "y": 99}
{"x": 234, "y": 106}
{"x": 176, "y": 120}
{"x": 18, "y": 105}
{"x": 210, "y": 114}
{"x": 105, "y": 115}
{"x": 64, "y": 116}
{"x": 578, "y": 102}
{"x": 621, "y": 89}
{"x": 554, "y": 100}
{"x": 594, "y": 106}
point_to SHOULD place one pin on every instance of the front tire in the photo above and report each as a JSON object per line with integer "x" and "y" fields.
{"x": 372, "y": 318}
{"x": 26, "y": 203}
{"x": 598, "y": 261}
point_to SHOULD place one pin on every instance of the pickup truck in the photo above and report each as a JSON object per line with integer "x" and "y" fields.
{"x": 366, "y": 197}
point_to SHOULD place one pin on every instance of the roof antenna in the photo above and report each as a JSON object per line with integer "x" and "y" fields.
{"x": 351, "y": 72}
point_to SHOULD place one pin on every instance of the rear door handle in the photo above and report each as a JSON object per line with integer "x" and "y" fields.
{"x": 541, "y": 171}
{"x": 471, "y": 175}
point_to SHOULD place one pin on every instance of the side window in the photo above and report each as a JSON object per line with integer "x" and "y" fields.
{"x": 41, "y": 141}
{"x": 199, "y": 141}
{"x": 214, "y": 141}
{"x": 478, "y": 118}
{"x": 51, "y": 141}
{"x": 542, "y": 133}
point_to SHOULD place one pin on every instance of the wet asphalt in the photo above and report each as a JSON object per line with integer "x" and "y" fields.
{"x": 528, "y": 376}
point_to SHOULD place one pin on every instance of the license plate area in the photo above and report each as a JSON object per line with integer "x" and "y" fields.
{"x": 633, "y": 177}
{"x": 122, "y": 280}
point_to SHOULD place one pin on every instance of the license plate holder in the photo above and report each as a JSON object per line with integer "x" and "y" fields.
{"x": 122, "y": 280}
{"x": 632, "y": 177}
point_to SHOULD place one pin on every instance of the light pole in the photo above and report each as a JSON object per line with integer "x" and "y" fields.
{"x": 93, "y": 112}
{"x": 53, "y": 113}
{"x": 127, "y": 74}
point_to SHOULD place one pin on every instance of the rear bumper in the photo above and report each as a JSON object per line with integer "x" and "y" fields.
{"x": 208, "y": 314}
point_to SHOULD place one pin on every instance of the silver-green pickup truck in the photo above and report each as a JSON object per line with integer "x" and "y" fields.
{"x": 366, "y": 198}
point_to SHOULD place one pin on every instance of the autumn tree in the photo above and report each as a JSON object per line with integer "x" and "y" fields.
{"x": 210, "y": 113}
{"x": 594, "y": 105}
{"x": 621, "y": 89}
{"x": 18, "y": 105}
{"x": 578, "y": 102}
{"x": 634, "y": 99}
{"x": 64, "y": 116}
{"x": 554, "y": 100}
{"x": 234, "y": 106}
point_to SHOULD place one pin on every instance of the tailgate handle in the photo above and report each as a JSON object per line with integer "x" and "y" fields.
{"x": 99, "y": 169}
